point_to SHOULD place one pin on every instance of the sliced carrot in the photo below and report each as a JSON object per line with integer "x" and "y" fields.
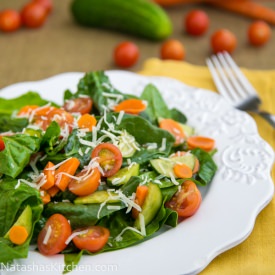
{"x": 18, "y": 234}
{"x": 201, "y": 142}
{"x": 45, "y": 196}
{"x": 182, "y": 171}
{"x": 182, "y": 153}
{"x": 86, "y": 121}
{"x": 131, "y": 106}
{"x": 53, "y": 191}
{"x": 68, "y": 167}
{"x": 26, "y": 110}
{"x": 174, "y": 128}
{"x": 49, "y": 175}
{"x": 44, "y": 110}
{"x": 168, "y": 3}
{"x": 141, "y": 193}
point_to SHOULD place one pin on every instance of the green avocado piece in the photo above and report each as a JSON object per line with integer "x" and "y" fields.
{"x": 151, "y": 205}
{"x": 25, "y": 219}
{"x": 99, "y": 196}
{"x": 123, "y": 175}
{"x": 164, "y": 166}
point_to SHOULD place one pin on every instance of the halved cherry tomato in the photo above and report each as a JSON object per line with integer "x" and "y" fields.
{"x": 82, "y": 105}
{"x": 87, "y": 185}
{"x": 47, "y": 4}
{"x": 60, "y": 232}
{"x": 109, "y": 158}
{"x": 2, "y": 144}
{"x": 34, "y": 15}
{"x": 93, "y": 240}
{"x": 187, "y": 201}
{"x": 10, "y": 20}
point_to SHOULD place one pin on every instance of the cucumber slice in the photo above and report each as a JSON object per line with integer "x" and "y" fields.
{"x": 188, "y": 130}
{"x": 123, "y": 175}
{"x": 151, "y": 205}
{"x": 165, "y": 166}
{"x": 97, "y": 197}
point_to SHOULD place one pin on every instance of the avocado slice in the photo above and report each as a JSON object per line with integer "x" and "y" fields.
{"x": 165, "y": 166}
{"x": 99, "y": 196}
{"x": 151, "y": 205}
{"x": 25, "y": 219}
{"x": 123, "y": 175}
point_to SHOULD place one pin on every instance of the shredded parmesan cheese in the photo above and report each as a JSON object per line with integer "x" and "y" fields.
{"x": 48, "y": 235}
{"x": 76, "y": 234}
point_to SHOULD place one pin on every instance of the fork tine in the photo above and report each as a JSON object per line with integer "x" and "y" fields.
{"x": 228, "y": 89}
{"x": 240, "y": 76}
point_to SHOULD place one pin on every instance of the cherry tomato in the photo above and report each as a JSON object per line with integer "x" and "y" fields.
{"x": 2, "y": 144}
{"x": 109, "y": 158}
{"x": 82, "y": 105}
{"x": 33, "y": 15}
{"x": 172, "y": 49}
{"x": 47, "y": 4}
{"x": 223, "y": 40}
{"x": 259, "y": 33}
{"x": 10, "y": 20}
{"x": 60, "y": 232}
{"x": 126, "y": 54}
{"x": 196, "y": 22}
{"x": 93, "y": 240}
{"x": 187, "y": 201}
{"x": 87, "y": 184}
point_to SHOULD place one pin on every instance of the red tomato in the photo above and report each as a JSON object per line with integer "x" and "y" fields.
{"x": 187, "y": 201}
{"x": 93, "y": 240}
{"x": 259, "y": 33}
{"x": 223, "y": 40}
{"x": 33, "y": 15}
{"x": 81, "y": 105}
{"x": 126, "y": 54}
{"x": 87, "y": 185}
{"x": 47, "y": 4}
{"x": 109, "y": 158}
{"x": 2, "y": 144}
{"x": 172, "y": 49}
{"x": 10, "y": 20}
{"x": 60, "y": 232}
{"x": 196, "y": 22}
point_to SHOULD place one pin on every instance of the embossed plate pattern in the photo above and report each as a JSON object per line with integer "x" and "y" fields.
{"x": 241, "y": 188}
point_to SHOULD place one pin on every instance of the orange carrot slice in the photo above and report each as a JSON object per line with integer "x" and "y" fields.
{"x": 45, "y": 196}
{"x": 201, "y": 142}
{"x": 174, "y": 128}
{"x": 182, "y": 153}
{"x": 182, "y": 171}
{"x": 49, "y": 174}
{"x": 68, "y": 167}
{"x": 18, "y": 234}
{"x": 26, "y": 110}
{"x": 86, "y": 121}
{"x": 53, "y": 191}
{"x": 141, "y": 193}
{"x": 131, "y": 106}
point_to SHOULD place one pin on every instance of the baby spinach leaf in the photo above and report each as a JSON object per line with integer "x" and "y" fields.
{"x": 9, "y": 123}
{"x": 12, "y": 202}
{"x": 178, "y": 116}
{"x": 208, "y": 167}
{"x": 18, "y": 149}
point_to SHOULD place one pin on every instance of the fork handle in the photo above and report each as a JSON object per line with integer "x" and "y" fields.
{"x": 268, "y": 117}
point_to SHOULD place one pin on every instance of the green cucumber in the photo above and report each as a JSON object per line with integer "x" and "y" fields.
{"x": 165, "y": 166}
{"x": 151, "y": 205}
{"x": 137, "y": 17}
{"x": 99, "y": 196}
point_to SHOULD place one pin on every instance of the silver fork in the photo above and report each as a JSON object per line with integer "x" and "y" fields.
{"x": 234, "y": 86}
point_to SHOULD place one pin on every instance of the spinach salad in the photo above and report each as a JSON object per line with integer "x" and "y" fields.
{"x": 104, "y": 171}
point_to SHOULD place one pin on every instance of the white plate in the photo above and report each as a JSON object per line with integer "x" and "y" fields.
{"x": 241, "y": 188}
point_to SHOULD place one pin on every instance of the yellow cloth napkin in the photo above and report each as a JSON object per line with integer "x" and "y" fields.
{"x": 255, "y": 256}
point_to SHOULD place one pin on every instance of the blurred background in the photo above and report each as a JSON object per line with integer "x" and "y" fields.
{"x": 62, "y": 45}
